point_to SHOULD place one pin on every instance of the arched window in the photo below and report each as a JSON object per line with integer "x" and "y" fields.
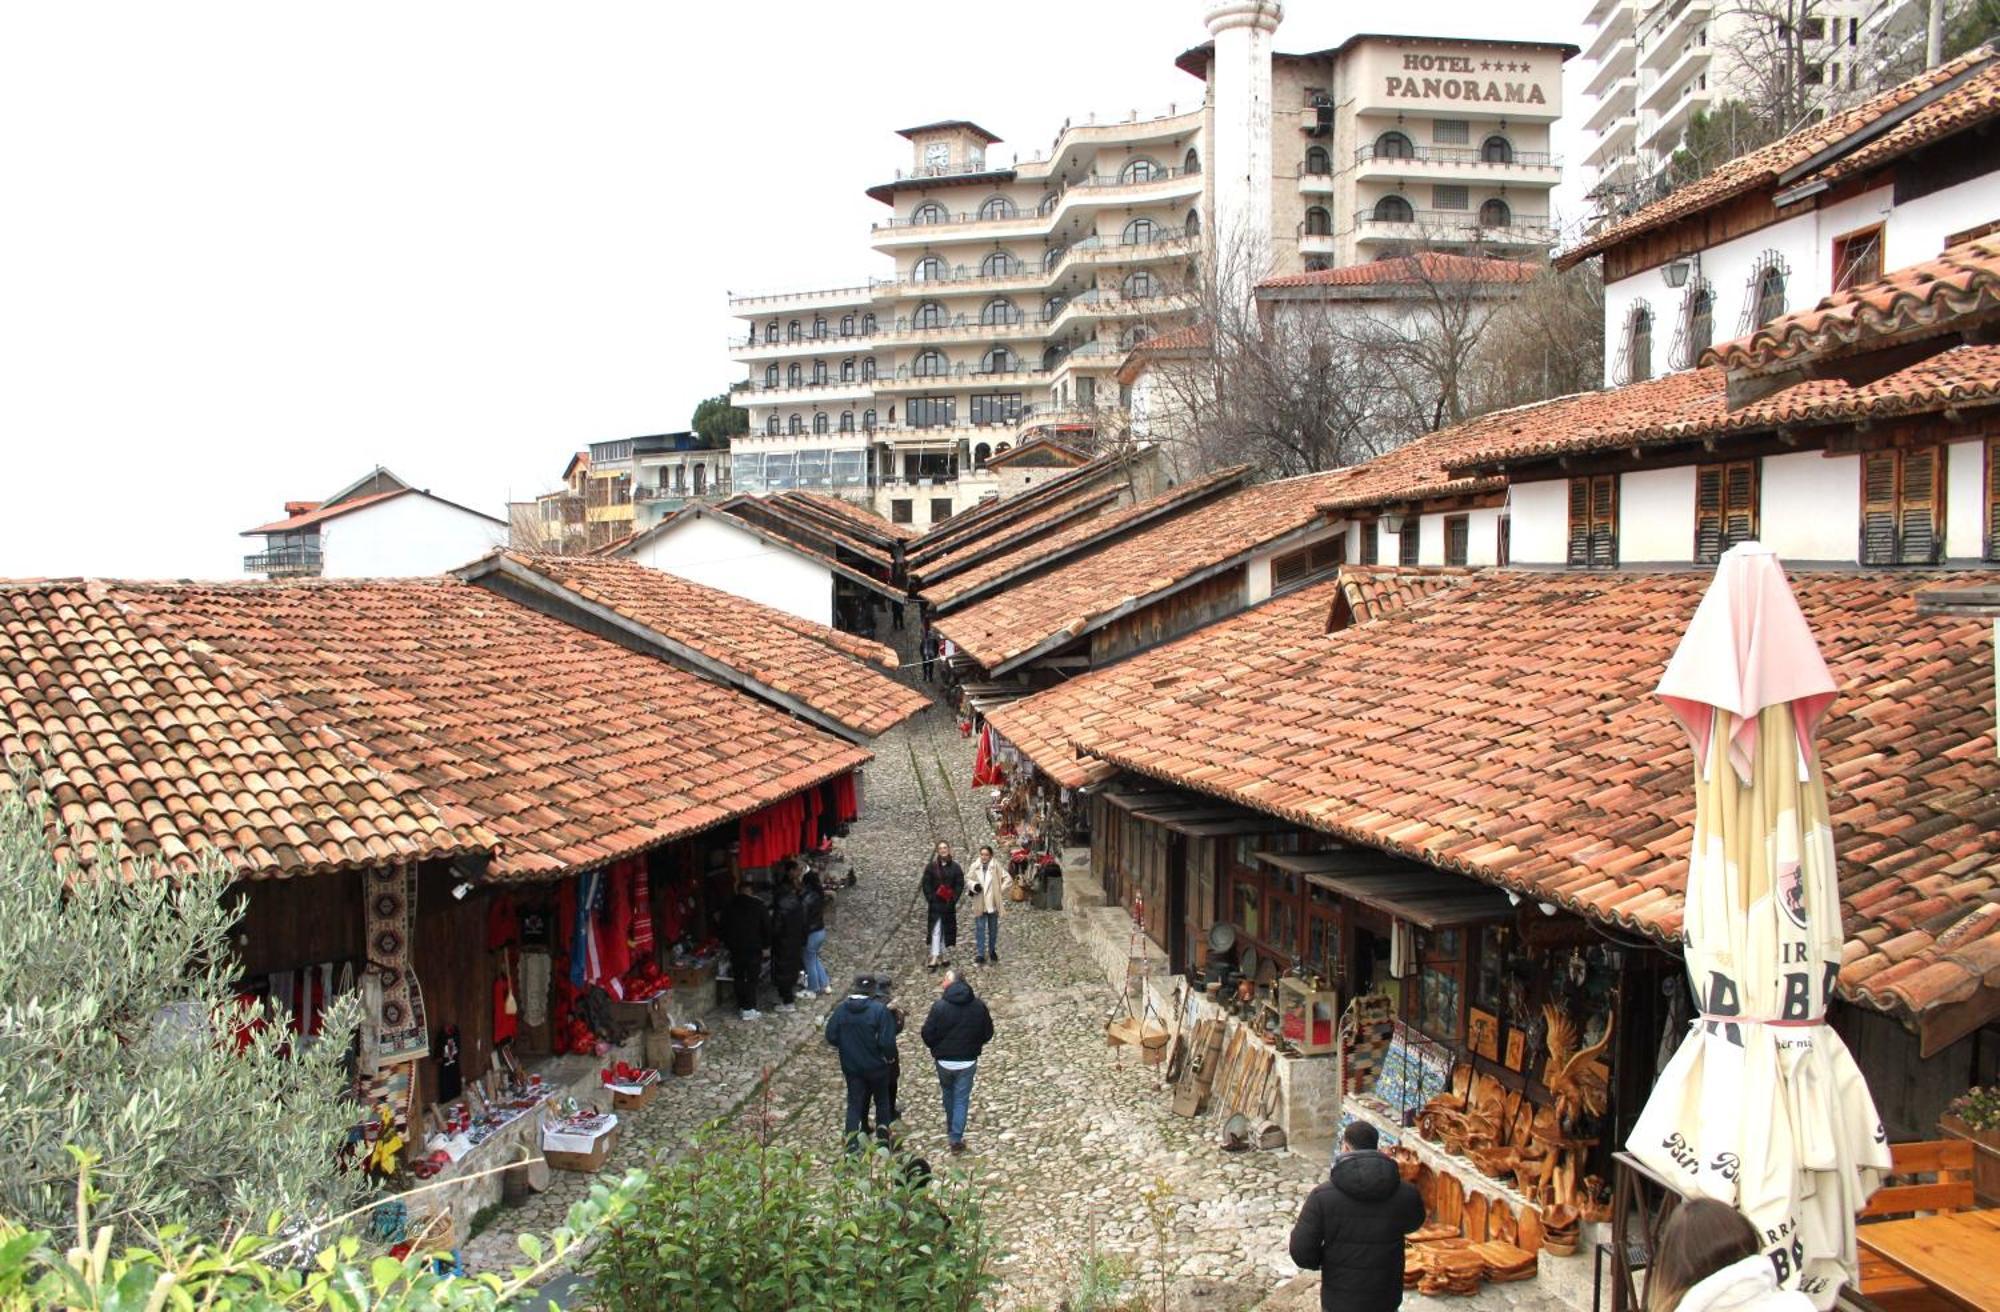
{"x": 928, "y": 269}
{"x": 770, "y": 375}
{"x": 999, "y": 360}
{"x": 700, "y": 479}
{"x": 1049, "y": 202}
{"x": 999, "y": 311}
{"x": 1318, "y": 161}
{"x": 1052, "y": 307}
{"x": 819, "y": 372}
{"x": 819, "y": 422}
{"x": 772, "y": 426}
{"x": 1141, "y": 231}
{"x": 1769, "y": 289}
{"x": 1052, "y": 357}
{"x": 1139, "y": 285}
{"x": 1051, "y": 258}
{"x": 1639, "y": 343}
{"x": 847, "y": 370}
{"x": 867, "y": 325}
{"x": 1700, "y": 323}
{"x": 1497, "y": 150}
{"x": 847, "y": 421}
{"x": 1495, "y": 214}
{"x": 1394, "y": 145}
{"x": 998, "y": 264}
{"x": 867, "y": 421}
{"x": 771, "y": 331}
{"x": 795, "y": 425}
{"x": 1193, "y": 225}
{"x": 930, "y": 314}
{"x": 847, "y": 325}
{"x": 929, "y": 212}
{"x": 1141, "y": 170}
{"x": 794, "y": 376}
{"x": 1191, "y": 162}
{"x": 929, "y": 364}
{"x": 981, "y": 453}
{"x": 1319, "y": 223}
{"x": 793, "y": 332}
{"x": 998, "y": 207}
{"x": 867, "y": 368}
{"x": 1393, "y": 209}
{"x": 819, "y": 326}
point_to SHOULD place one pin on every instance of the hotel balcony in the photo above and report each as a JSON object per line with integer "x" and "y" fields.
{"x": 1619, "y": 101}
{"x": 959, "y": 377}
{"x": 1315, "y": 184}
{"x": 933, "y": 223}
{"x": 938, "y": 331}
{"x": 815, "y": 299}
{"x": 755, "y": 347}
{"x": 1101, "y": 303}
{"x": 1524, "y": 231}
{"x": 1621, "y": 60}
{"x": 1316, "y": 243}
{"x": 802, "y": 393}
{"x": 1457, "y": 164}
{"x": 284, "y": 562}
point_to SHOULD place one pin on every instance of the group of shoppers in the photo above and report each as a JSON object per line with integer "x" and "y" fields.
{"x": 1352, "y": 1226}
{"x": 792, "y": 928}
{"x": 946, "y": 886}
{"x": 865, "y": 1028}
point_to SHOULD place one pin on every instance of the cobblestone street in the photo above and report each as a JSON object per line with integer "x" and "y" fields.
{"x": 1074, "y": 1145}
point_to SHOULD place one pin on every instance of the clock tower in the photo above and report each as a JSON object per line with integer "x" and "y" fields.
{"x": 946, "y": 149}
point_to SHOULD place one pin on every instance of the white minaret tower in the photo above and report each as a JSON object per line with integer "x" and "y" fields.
{"x": 1240, "y": 148}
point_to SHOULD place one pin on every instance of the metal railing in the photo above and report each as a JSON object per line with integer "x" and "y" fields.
{"x": 1472, "y": 155}
{"x": 816, "y": 295}
{"x": 830, "y": 342}
{"x": 804, "y": 385}
{"x": 1089, "y": 182}
{"x": 284, "y": 560}
{"x": 1518, "y": 227}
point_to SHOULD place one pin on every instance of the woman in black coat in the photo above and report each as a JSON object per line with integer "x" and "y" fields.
{"x": 944, "y": 887}
{"x": 788, "y": 939}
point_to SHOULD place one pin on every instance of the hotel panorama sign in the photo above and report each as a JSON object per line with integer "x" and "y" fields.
{"x": 1500, "y": 80}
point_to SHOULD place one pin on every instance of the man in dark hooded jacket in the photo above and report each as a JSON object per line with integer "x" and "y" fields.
{"x": 1352, "y": 1226}
{"x": 864, "y": 1033}
{"x": 957, "y": 1031}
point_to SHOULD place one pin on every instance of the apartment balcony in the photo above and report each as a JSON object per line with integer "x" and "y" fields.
{"x": 1662, "y": 136}
{"x": 1457, "y": 164}
{"x": 1621, "y": 100}
{"x": 1620, "y": 61}
{"x": 814, "y": 299}
{"x": 1679, "y": 77}
{"x": 1019, "y": 275}
{"x": 1317, "y": 243}
{"x": 284, "y": 562}
{"x": 804, "y": 393}
{"x": 1662, "y": 42}
{"x": 1614, "y": 26}
{"x": 936, "y": 331}
{"x": 1522, "y": 231}
{"x": 1615, "y": 143}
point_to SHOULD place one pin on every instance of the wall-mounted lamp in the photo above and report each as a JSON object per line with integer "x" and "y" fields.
{"x": 1676, "y": 271}
{"x": 1392, "y": 523}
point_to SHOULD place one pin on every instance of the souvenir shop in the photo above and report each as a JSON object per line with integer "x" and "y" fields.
{"x": 1031, "y": 813}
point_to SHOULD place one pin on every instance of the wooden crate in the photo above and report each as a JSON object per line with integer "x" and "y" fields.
{"x": 589, "y": 1162}
{"x": 632, "y": 1102}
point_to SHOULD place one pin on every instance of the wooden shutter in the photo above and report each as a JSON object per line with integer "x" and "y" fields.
{"x": 1919, "y": 534}
{"x": 1725, "y": 508}
{"x": 1593, "y": 521}
{"x": 1708, "y": 514}
{"x": 1878, "y": 507}
{"x": 1579, "y": 521}
{"x": 1993, "y": 498}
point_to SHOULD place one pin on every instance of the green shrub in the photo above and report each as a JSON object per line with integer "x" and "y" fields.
{"x": 116, "y": 1013}
{"x": 741, "y": 1225}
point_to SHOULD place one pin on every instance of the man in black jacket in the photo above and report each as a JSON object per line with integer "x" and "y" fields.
{"x": 788, "y": 936}
{"x": 864, "y": 1033}
{"x": 1352, "y": 1226}
{"x": 746, "y": 933}
{"x": 957, "y": 1030}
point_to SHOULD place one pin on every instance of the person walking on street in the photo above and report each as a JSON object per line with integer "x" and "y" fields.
{"x": 883, "y": 990}
{"x": 957, "y": 1030}
{"x": 788, "y": 937}
{"x": 927, "y": 654}
{"x": 1352, "y": 1226}
{"x": 745, "y": 933}
{"x": 986, "y": 885}
{"x": 815, "y": 898}
{"x": 943, "y": 888}
{"x": 863, "y": 1032}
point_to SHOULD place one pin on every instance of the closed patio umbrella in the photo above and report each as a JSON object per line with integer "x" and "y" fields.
{"x": 1762, "y": 1106}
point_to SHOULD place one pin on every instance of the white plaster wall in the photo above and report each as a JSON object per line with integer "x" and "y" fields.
{"x": 1965, "y": 501}
{"x": 1257, "y": 570}
{"x": 1655, "y": 516}
{"x": 1482, "y": 537}
{"x": 723, "y": 556}
{"x": 1810, "y": 506}
{"x": 1918, "y": 228}
{"x": 1540, "y": 529}
{"x": 1430, "y": 539}
{"x": 404, "y": 537}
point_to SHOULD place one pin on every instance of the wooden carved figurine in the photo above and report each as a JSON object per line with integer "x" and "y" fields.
{"x": 1580, "y": 1080}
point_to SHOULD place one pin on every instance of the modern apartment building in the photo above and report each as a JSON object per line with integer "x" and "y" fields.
{"x": 1659, "y": 63}
{"x": 1012, "y": 292}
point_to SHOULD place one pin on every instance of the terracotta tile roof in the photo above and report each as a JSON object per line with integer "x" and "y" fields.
{"x": 1081, "y": 594}
{"x": 320, "y": 513}
{"x": 138, "y": 738}
{"x": 1507, "y": 729}
{"x": 987, "y": 515}
{"x": 1043, "y": 550}
{"x": 1761, "y": 168}
{"x": 1694, "y": 404}
{"x": 858, "y": 520}
{"x": 1919, "y": 300}
{"x": 565, "y": 748}
{"x": 1971, "y": 103}
{"x": 1424, "y": 267}
{"x": 1185, "y": 340}
{"x": 1035, "y": 445}
{"x": 1006, "y": 539}
{"x": 1271, "y": 636}
{"x": 1417, "y": 470}
{"x": 814, "y": 533}
{"x": 794, "y": 658}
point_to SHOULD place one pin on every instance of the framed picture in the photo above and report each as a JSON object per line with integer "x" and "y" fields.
{"x": 1482, "y": 1033}
{"x": 1517, "y": 1048}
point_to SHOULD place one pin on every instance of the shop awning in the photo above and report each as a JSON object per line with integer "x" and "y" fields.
{"x": 1429, "y": 899}
{"x": 1193, "y": 814}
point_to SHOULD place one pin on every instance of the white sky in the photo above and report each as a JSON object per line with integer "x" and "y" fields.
{"x": 250, "y": 250}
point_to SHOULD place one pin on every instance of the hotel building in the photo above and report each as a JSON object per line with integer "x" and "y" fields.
{"x": 1012, "y": 292}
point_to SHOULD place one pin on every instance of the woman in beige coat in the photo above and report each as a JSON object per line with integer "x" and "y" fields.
{"x": 986, "y": 885}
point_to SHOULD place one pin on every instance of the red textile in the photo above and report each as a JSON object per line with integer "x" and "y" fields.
{"x": 845, "y": 804}
{"x": 504, "y": 1022}
{"x": 772, "y": 834}
{"x": 642, "y": 918}
{"x": 614, "y": 952}
{"x": 503, "y": 924}
{"x": 985, "y": 770}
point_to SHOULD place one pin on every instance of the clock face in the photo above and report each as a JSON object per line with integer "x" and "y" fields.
{"x": 937, "y": 154}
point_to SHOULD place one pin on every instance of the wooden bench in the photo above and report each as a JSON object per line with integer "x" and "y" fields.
{"x": 1949, "y": 1163}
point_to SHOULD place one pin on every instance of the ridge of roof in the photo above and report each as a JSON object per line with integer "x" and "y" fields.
{"x": 1422, "y": 266}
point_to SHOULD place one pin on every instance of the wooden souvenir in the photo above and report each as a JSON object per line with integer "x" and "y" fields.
{"x": 1502, "y": 1224}
{"x": 1517, "y": 1048}
{"x": 1451, "y": 1202}
{"x": 1476, "y": 1206}
{"x": 1482, "y": 1033}
{"x": 1528, "y": 1229}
